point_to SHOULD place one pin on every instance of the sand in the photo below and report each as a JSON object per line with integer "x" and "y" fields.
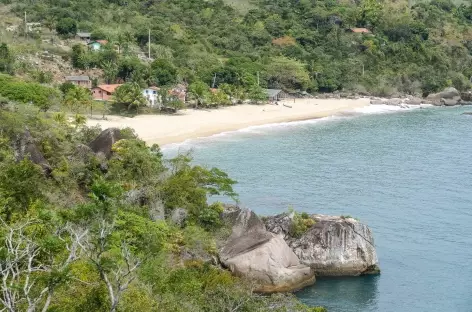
{"x": 191, "y": 123}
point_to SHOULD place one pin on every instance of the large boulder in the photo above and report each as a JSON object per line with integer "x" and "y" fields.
{"x": 332, "y": 246}
{"x": 254, "y": 253}
{"x": 24, "y": 146}
{"x": 450, "y": 102}
{"x": 104, "y": 142}
{"x": 449, "y": 96}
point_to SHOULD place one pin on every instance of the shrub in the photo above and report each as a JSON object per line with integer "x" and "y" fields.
{"x": 300, "y": 224}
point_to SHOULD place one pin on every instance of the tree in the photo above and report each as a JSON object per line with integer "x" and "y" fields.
{"x": 287, "y": 73}
{"x": 32, "y": 270}
{"x": 110, "y": 71}
{"x": 66, "y": 27}
{"x": 163, "y": 72}
{"x": 199, "y": 91}
{"x": 78, "y": 98}
{"x": 129, "y": 96}
{"x": 6, "y": 59}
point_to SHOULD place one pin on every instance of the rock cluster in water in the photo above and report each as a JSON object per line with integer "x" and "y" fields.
{"x": 268, "y": 254}
{"x": 448, "y": 97}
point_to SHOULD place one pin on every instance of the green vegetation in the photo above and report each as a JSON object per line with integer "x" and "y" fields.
{"x": 301, "y": 222}
{"x": 95, "y": 234}
{"x": 411, "y": 48}
{"x": 24, "y": 92}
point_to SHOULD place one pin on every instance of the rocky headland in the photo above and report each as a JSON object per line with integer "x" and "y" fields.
{"x": 278, "y": 259}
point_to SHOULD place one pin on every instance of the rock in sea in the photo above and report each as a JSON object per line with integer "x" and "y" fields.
{"x": 256, "y": 254}
{"x": 333, "y": 246}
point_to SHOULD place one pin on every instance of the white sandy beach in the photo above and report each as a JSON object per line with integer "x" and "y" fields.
{"x": 190, "y": 123}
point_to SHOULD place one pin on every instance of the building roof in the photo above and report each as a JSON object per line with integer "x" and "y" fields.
{"x": 273, "y": 92}
{"x": 84, "y": 34}
{"x": 77, "y": 78}
{"x": 360, "y": 30}
{"x": 109, "y": 87}
{"x": 102, "y": 42}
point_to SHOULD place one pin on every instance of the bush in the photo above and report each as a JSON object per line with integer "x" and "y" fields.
{"x": 66, "y": 27}
{"x": 300, "y": 224}
{"x": 24, "y": 92}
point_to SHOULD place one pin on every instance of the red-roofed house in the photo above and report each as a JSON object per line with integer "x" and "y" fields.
{"x": 104, "y": 92}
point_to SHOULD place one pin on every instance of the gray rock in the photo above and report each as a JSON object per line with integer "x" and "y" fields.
{"x": 254, "y": 253}
{"x": 393, "y": 102}
{"x": 450, "y": 102}
{"x": 333, "y": 246}
{"x": 179, "y": 216}
{"x": 444, "y": 97}
{"x": 450, "y": 93}
{"x": 467, "y": 113}
{"x": 104, "y": 142}
{"x": 466, "y": 96}
{"x": 414, "y": 101}
{"x": 24, "y": 146}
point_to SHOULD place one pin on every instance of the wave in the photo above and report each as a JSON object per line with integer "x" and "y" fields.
{"x": 236, "y": 135}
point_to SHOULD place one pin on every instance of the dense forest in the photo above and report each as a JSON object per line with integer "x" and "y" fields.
{"x": 82, "y": 231}
{"x": 405, "y": 47}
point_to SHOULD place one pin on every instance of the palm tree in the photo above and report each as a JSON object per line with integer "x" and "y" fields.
{"x": 199, "y": 90}
{"x": 130, "y": 95}
{"x": 77, "y": 98}
{"x": 79, "y": 120}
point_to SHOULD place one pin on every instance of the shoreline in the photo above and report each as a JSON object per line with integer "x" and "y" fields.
{"x": 193, "y": 124}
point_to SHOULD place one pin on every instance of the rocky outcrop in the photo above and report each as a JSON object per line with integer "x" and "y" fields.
{"x": 104, "y": 142}
{"x": 263, "y": 257}
{"x": 179, "y": 216}
{"x": 449, "y": 96}
{"x": 24, "y": 146}
{"x": 333, "y": 246}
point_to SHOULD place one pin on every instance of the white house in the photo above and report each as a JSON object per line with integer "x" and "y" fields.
{"x": 152, "y": 95}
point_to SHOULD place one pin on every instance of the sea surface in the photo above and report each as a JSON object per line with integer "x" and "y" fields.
{"x": 405, "y": 173}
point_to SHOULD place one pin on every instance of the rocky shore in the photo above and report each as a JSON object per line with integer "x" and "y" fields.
{"x": 448, "y": 97}
{"x": 269, "y": 253}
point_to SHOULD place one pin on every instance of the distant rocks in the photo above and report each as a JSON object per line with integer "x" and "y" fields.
{"x": 467, "y": 113}
{"x": 333, "y": 246}
{"x": 448, "y": 97}
{"x": 256, "y": 254}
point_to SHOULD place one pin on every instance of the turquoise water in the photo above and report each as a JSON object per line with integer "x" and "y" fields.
{"x": 407, "y": 174}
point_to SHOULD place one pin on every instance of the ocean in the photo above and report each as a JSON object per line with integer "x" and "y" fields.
{"x": 407, "y": 173}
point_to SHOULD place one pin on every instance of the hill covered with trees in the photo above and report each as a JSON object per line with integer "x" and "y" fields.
{"x": 365, "y": 46}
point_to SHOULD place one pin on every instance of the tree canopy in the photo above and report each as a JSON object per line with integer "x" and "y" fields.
{"x": 295, "y": 45}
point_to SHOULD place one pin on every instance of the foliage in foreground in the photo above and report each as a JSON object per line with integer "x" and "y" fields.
{"x": 94, "y": 235}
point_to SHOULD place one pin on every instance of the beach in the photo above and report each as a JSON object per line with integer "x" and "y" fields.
{"x": 192, "y": 123}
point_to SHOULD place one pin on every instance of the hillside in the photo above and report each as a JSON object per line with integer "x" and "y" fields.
{"x": 378, "y": 47}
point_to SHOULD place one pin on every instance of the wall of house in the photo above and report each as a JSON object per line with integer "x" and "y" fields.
{"x": 151, "y": 96}
{"x": 99, "y": 94}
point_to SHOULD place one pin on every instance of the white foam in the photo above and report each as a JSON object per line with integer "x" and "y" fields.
{"x": 235, "y": 135}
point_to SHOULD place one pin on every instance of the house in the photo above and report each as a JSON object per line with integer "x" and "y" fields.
{"x": 81, "y": 81}
{"x": 275, "y": 94}
{"x": 104, "y": 92}
{"x": 152, "y": 95}
{"x": 85, "y": 36}
{"x": 97, "y": 45}
{"x": 179, "y": 92}
{"x": 359, "y": 30}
